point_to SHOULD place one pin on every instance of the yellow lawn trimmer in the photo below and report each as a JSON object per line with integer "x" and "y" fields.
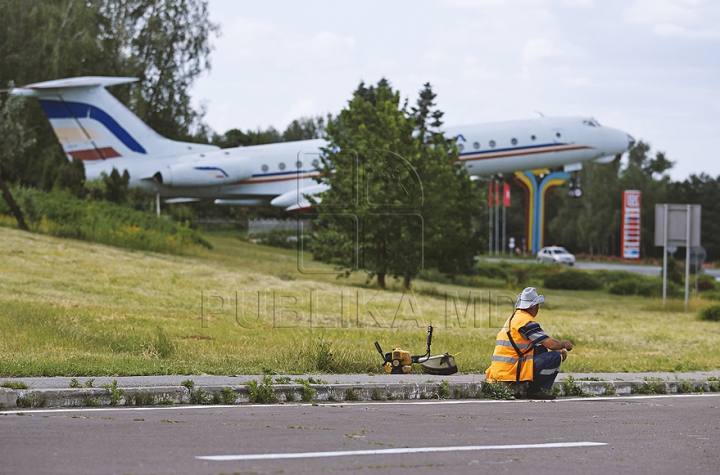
{"x": 399, "y": 361}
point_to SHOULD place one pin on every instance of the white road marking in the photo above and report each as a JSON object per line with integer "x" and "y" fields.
{"x": 408, "y": 450}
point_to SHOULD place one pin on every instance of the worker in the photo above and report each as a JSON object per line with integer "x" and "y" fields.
{"x": 525, "y": 357}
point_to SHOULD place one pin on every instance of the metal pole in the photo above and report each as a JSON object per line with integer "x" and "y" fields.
{"x": 157, "y": 203}
{"x": 665, "y": 231}
{"x": 504, "y": 224}
{"x": 497, "y": 220}
{"x": 490, "y": 226}
{"x": 687, "y": 260}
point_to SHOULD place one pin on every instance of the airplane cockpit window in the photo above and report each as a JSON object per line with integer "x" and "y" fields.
{"x": 492, "y": 144}
{"x": 476, "y": 145}
{"x": 591, "y": 123}
{"x": 265, "y": 168}
{"x": 281, "y": 166}
{"x": 514, "y": 141}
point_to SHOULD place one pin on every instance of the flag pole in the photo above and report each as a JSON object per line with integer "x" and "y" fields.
{"x": 490, "y": 213}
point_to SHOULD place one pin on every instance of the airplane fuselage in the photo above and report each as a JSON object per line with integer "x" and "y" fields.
{"x": 275, "y": 169}
{"x": 92, "y": 125}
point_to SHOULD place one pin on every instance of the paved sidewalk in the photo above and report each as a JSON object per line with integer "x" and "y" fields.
{"x": 151, "y": 390}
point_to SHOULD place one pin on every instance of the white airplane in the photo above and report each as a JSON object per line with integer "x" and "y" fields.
{"x": 91, "y": 124}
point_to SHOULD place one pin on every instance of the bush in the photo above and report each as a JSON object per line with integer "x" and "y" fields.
{"x": 705, "y": 282}
{"x": 653, "y": 288}
{"x": 610, "y": 277}
{"x": 281, "y": 239}
{"x": 491, "y": 270}
{"x": 711, "y": 295}
{"x": 710, "y": 313}
{"x": 573, "y": 280}
{"x": 61, "y": 214}
{"x": 627, "y": 286}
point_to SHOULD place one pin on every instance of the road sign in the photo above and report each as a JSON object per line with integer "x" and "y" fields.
{"x": 630, "y": 236}
{"x": 677, "y": 225}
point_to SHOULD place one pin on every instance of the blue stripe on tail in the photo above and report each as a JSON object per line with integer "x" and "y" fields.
{"x": 69, "y": 110}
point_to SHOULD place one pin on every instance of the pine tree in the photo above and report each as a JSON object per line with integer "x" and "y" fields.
{"x": 396, "y": 198}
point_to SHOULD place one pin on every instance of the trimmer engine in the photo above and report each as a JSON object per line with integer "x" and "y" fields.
{"x": 400, "y": 361}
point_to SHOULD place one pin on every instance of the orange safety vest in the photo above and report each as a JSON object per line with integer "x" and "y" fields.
{"x": 507, "y": 364}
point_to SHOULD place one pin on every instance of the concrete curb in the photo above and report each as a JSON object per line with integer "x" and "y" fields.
{"x": 337, "y": 392}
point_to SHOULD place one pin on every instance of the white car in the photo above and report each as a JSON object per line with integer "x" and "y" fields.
{"x": 555, "y": 255}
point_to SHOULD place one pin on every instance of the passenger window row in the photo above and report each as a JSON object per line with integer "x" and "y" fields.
{"x": 492, "y": 143}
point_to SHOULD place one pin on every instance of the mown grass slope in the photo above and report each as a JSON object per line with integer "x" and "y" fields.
{"x": 79, "y": 309}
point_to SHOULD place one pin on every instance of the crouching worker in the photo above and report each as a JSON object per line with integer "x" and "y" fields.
{"x": 525, "y": 357}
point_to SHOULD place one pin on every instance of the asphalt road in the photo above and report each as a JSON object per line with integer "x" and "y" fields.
{"x": 636, "y": 268}
{"x": 639, "y": 435}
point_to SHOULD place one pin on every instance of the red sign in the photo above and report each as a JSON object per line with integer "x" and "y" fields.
{"x": 630, "y": 236}
{"x": 506, "y": 195}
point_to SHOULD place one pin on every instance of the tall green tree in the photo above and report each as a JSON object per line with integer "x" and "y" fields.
{"x": 304, "y": 128}
{"x": 593, "y": 223}
{"x": 393, "y": 197}
{"x": 13, "y": 140}
{"x": 166, "y": 43}
{"x": 647, "y": 174}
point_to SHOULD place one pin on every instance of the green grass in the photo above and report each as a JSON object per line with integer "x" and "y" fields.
{"x": 80, "y": 309}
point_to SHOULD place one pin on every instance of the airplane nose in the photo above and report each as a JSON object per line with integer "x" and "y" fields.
{"x": 631, "y": 140}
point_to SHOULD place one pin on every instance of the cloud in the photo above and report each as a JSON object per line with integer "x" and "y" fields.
{"x": 537, "y": 50}
{"x": 672, "y": 30}
{"x": 683, "y": 13}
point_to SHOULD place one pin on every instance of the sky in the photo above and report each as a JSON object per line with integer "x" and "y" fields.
{"x": 648, "y": 67}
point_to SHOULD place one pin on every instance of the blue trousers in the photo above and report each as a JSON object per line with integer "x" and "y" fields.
{"x": 546, "y": 365}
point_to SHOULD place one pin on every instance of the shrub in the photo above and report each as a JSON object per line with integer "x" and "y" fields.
{"x": 705, "y": 282}
{"x": 609, "y": 277}
{"x": 281, "y": 239}
{"x": 434, "y": 275}
{"x": 262, "y": 393}
{"x": 711, "y": 295}
{"x": 573, "y": 280}
{"x": 710, "y": 313}
{"x": 59, "y": 213}
{"x": 491, "y": 270}
{"x": 627, "y": 286}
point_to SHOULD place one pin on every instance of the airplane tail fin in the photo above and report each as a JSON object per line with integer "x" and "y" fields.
{"x": 91, "y": 124}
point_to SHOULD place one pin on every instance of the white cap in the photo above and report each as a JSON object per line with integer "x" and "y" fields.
{"x": 528, "y": 298}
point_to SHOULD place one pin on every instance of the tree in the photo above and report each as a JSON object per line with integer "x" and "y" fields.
{"x": 394, "y": 188}
{"x": 450, "y": 207}
{"x": 12, "y": 143}
{"x": 116, "y": 186}
{"x": 304, "y": 128}
{"x": 169, "y": 44}
{"x": 593, "y": 222}
{"x": 166, "y": 43}
{"x": 237, "y": 138}
{"x": 638, "y": 175}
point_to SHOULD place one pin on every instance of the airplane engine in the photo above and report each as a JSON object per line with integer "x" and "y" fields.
{"x": 205, "y": 173}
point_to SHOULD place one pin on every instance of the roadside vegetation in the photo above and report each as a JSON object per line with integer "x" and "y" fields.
{"x": 74, "y": 308}
{"x": 62, "y": 214}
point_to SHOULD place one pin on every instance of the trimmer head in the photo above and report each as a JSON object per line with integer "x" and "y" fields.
{"x": 441, "y": 364}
